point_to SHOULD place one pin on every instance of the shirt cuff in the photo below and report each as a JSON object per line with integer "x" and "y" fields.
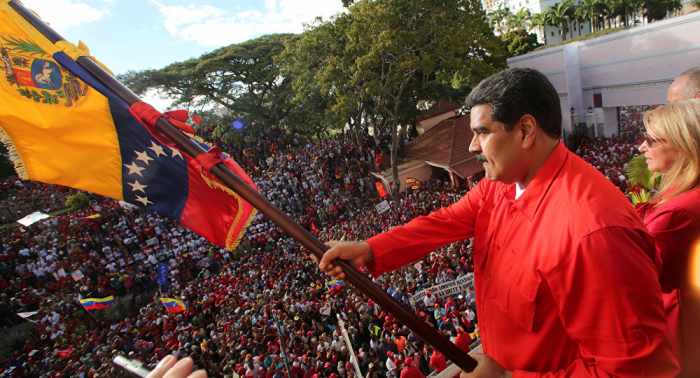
{"x": 381, "y": 248}
{"x": 524, "y": 374}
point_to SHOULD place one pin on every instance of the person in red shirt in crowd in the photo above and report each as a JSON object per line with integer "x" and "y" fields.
{"x": 437, "y": 360}
{"x": 410, "y": 370}
{"x": 672, "y": 147}
{"x": 569, "y": 270}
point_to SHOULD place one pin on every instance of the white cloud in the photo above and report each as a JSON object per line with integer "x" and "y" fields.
{"x": 157, "y": 99}
{"x": 62, "y": 14}
{"x": 212, "y": 26}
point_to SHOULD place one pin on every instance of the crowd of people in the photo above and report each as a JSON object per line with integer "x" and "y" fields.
{"x": 19, "y": 199}
{"x": 631, "y": 124}
{"x": 234, "y": 297}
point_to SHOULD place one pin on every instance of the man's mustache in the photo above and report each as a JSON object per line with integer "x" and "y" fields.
{"x": 481, "y": 158}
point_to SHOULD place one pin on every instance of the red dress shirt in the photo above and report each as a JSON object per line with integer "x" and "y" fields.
{"x": 675, "y": 226}
{"x": 565, "y": 276}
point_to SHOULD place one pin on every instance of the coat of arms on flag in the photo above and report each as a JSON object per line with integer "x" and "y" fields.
{"x": 30, "y": 72}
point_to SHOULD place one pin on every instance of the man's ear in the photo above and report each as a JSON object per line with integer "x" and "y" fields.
{"x": 529, "y": 130}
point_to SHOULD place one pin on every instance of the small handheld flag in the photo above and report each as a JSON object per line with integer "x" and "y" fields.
{"x": 174, "y": 305}
{"x": 380, "y": 189}
{"x": 334, "y": 283}
{"x": 97, "y": 303}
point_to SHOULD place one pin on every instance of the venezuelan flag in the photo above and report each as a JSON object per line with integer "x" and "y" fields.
{"x": 334, "y": 283}
{"x": 174, "y": 305}
{"x": 63, "y": 126}
{"x": 97, "y": 303}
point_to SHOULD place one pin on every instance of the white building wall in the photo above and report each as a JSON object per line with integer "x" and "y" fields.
{"x": 551, "y": 34}
{"x": 631, "y": 67}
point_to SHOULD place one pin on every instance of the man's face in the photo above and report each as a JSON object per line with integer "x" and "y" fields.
{"x": 497, "y": 148}
{"x": 675, "y": 91}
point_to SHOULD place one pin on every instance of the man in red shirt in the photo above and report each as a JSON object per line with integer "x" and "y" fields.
{"x": 566, "y": 275}
{"x": 411, "y": 371}
{"x": 437, "y": 360}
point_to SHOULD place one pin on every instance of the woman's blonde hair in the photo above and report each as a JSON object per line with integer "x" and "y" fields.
{"x": 678, "y": 124}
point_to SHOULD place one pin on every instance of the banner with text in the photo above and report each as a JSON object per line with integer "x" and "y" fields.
{"x": 452, "y": 289}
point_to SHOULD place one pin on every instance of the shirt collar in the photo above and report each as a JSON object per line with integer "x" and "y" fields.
{"x": 530, "y": 201}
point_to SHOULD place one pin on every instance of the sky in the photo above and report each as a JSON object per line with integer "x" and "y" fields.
{"x": 141, "y": 34}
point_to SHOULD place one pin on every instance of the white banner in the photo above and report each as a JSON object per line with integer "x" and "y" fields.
{"x": 382, "y": 207}
{"x": 452, "y": 289}
{"x": 77, "y": 275}
{"x": 32, "y": 218}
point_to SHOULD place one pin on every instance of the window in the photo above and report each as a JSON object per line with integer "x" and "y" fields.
{"x": 552, "y": 34}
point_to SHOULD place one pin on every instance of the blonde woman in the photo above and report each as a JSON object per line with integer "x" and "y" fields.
{"x": 672, "y": 148}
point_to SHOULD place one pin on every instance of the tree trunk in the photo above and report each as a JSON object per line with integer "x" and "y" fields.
{"x": 573, "y": 24}
{"x": 562, "y": 31}
{"x": 394, "y": 162}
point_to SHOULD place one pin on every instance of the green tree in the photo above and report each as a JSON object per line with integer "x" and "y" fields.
{"x": 638, "y": 174}
{"x": 498, "y": 18}
{"x": 384, "y": 56}
{"x": 587, "y": 10}
{"x": 243, "y": 78}
{"x": 520, "y": 42}
{"x": 520, "y": 20}
{"x": 317, "y": 63}
{"x": 560, "y": 15}
{"x": 538, "y": 22}
{"x": 78, "y": 200}
{"x": 659, "y": 9}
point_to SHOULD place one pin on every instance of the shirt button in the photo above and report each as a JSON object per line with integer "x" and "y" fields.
{"x": 637, "y": 334}
{"x": 498, "y": 247}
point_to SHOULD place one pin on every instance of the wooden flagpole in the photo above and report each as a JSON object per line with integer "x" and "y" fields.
{"x": 286, "y": 223}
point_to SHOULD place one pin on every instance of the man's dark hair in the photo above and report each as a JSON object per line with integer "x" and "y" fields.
{"x": 514, "y": 92}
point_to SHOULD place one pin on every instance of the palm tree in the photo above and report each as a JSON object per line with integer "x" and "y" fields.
{"x": 498, "y": 18}
{"x": 587, "y": 11}
{"x": 538, "y": 21}
{"x": 617, "y": 10}
{"x": 636, "y": 6}
{"x": 638, "y": 174}
{"x": 494, "y": 22}
{"x": 575, "y": 18}
{"x": 605, "y": 12}
{"x": 559, "y": 16}
{"x": 519, "y": 20}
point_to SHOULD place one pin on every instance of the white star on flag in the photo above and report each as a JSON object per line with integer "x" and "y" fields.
{"x": 143, "y": 156}
{"x": 133, "y": 168}
{"x": 157, "y": 149}
{"x": 177, "y": 152}
{"x": 137, "y": 186}
{"x": 143, "y": 200}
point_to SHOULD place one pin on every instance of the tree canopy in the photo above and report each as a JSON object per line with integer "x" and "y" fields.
{"x": 382, "y": 57}
{"x": 242, "y": 78}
